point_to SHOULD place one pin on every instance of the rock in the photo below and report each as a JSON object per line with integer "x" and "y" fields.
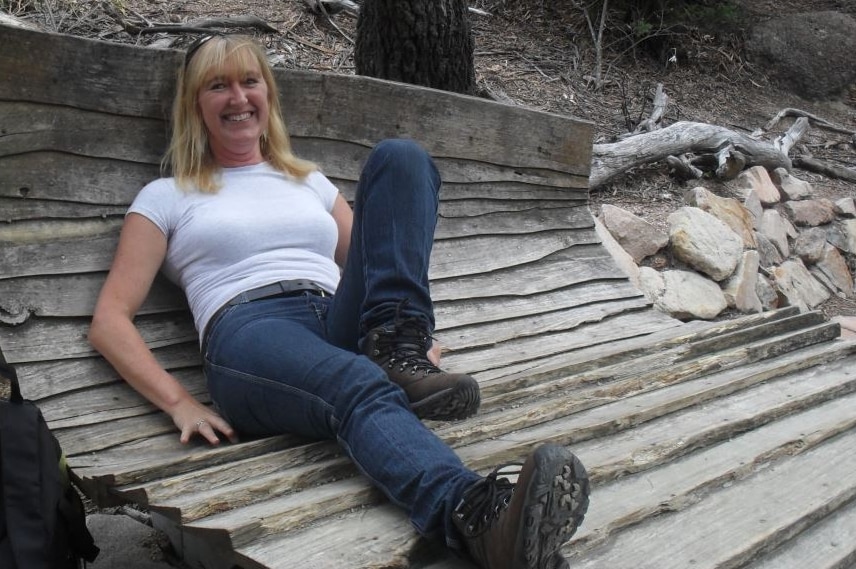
{"x": 773, "y": 227}
{"x": 729, "y": 210}
{"x": 756, "y": 178}
{"x": 797, "y": 286}
{"x": 683, "y": 294}
{"x": 791, "y": 188}
{"x": 845, "y": 207}
{"x": 842, "y": 234}
{"x": 811, "y": 213}
{"x": 740, "y": 289}
{"x": 635, "y": 235}
{"x": 848, "y": 325}
{"x": 126, "y": 543}
{"x": 809, "y": 245}
{"x": 704, "y": 242}
{"x": 766, "y": 293}
{"x": 833, "y": 266}
{"x": 622, "y": 258}
{"x": 753, "y": 205}
{"x": 810, "y": 54}
{"x": 769, "y": 253}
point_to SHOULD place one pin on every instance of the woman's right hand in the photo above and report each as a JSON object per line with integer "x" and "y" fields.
{"x": 192, "y": 418}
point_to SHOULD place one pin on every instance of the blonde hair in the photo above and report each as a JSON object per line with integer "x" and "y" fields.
{"x": 189, "y": 154}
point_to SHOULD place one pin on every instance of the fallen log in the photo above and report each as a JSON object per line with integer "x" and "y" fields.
{"x": 611, "y": 159}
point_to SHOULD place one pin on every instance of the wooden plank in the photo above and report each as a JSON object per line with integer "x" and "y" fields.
{"x": 63, "y": 296}
{"x": 138, "y": 82}
{"x": 12, "y": 209}
{"x": 106, "y": 403}
{"x": 561, "y": 269}
{"x": 535, "y": 325}
{"x": 659, "y": 472}
{"x": 59, "y": 176}
{"x": 50, "y": 378}
{"x": 729, "y": 527}
{"x": 747, "y": 345}
{"x": 31, "y": 127}
{"x": 829, "y": 544}
{"x": 452, "y": 314}
{"x": 291, "y": 511}
{"x": 667, "y": 475}
{"x": 473, "y": 255}
{"x": 60, "y": 338}
{"x": 673, "y": 333}
{"x": 347, "y": 542}
{"x": 515, "y": 222}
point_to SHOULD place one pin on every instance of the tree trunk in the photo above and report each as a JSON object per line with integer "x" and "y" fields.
{"x": 422, "y": 42}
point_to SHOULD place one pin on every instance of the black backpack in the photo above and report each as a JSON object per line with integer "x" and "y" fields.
{"x": 42, "y": 518}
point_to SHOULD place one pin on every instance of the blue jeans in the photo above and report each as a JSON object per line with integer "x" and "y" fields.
{"x": 291, "y": 365}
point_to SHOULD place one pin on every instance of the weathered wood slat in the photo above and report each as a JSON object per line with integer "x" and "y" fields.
{"x": 732, "y": 347}
{"x": 64, "y": 177}
{"x": 43, "y": 379}
{"x": 135, "y": 82}
{"x": 451, "y": 315}
{"x": 290, "y": 512}
{"x": 722, "y": 458}
{"x": 675, "y": 483}
{"x": 730, "y": 526}
{"x": 31, "y": 128}
{"x": 563, "y": 268}
{"x": 518, "y": 376}
{"x": 110, "y": 402}
{"x": 829, "y": 544}
{"x": 12, "y": 209}
{"x": 349, "y": 541}
{"x": 55, "y": 339}
{"x": 64, "y": 296}
{"x": 514, "y": 223}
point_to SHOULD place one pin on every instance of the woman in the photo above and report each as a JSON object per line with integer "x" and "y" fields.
{"x": 255, "y": 237}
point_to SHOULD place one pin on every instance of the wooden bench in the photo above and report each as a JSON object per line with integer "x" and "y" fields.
{"x": 725, "y": 444}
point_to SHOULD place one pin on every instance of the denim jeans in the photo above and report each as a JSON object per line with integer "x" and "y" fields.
{"x": 291, "y": 364}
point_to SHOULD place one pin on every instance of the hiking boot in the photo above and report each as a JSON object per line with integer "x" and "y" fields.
{"x": 401, "y": 349}
{"x": 523, "y": 525}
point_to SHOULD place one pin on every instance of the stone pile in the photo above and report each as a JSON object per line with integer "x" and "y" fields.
{"x": 772, "y": 245}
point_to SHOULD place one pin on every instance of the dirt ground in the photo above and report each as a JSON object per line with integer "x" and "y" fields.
{"x": 540, "y": 55}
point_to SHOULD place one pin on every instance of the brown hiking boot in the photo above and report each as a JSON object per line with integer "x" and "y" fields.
{"x": 401, "y": 349}
{"x": 523, "y": 525}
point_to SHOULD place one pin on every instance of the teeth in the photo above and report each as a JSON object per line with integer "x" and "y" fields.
{"x": 240, "y": 117}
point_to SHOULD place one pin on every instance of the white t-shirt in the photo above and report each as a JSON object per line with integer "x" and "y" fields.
{"x": 261, "y": 227}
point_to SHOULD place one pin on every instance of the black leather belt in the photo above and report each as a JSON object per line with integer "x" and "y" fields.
{"x": 277, "y": 289}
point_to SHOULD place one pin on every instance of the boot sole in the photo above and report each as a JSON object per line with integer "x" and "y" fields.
{"x": 453, "y": 404}
{"x": 557, "y": 499}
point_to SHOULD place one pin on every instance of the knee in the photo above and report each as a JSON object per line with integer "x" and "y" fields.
{"x": 401, "y": 149}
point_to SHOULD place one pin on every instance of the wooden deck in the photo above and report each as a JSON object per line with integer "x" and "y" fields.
{"x": 727, "y": 445}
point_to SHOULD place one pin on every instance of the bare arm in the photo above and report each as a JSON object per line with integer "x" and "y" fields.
{"x": 142, "y": 248}
{"x": 344, "y": 217}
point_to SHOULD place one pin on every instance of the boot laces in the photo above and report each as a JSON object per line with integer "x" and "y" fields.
{"x": 406, "y": 344}
{"x": 483, "y": 503}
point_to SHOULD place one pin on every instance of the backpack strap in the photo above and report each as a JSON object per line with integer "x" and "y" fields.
{"x": 23, "y": 479}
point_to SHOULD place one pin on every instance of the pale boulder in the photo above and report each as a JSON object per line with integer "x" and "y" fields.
{"x": 811, "y": 213}
{"x": 842, "y": 234}
{"x": 774, "y": 228}
{"x": 791, "y": 187}
{"x": 740, "y": 289}
{"x": 809, "y": 245}
{"x": 728, "y": 210}
{"x": 797, "y": 286}
{"x": 704, "y": 242}
{"x": 845, "y": 207}
{"x": 635, "y": 235}
{"x": 834, "y": 267}
{"x": 757, "y": 178}
{"x": 683, "y": 294}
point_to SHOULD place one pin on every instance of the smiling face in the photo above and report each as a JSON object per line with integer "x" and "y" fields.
{"x": 233, "y": 102}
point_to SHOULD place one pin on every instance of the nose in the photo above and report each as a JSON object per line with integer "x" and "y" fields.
{"x": 236, "y": 93}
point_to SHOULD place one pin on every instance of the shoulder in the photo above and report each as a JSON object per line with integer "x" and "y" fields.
{"x": 323, "y": 187}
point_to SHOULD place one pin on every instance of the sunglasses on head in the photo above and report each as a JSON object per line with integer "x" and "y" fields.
{"x": 197, "y": 43}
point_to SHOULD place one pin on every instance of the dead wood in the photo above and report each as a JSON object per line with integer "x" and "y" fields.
{"x": 206, "y": 24}
{"x": 612, "y": 159}
{"x": 815, "y": 120}
{"x": 792, "y": 136}
{"x": 825, "y": 168}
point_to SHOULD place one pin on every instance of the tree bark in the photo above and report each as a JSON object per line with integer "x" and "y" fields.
{"x": 422, "y": 42}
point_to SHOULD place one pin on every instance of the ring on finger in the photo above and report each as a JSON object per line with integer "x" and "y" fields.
{"x": 200, "y": 422}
